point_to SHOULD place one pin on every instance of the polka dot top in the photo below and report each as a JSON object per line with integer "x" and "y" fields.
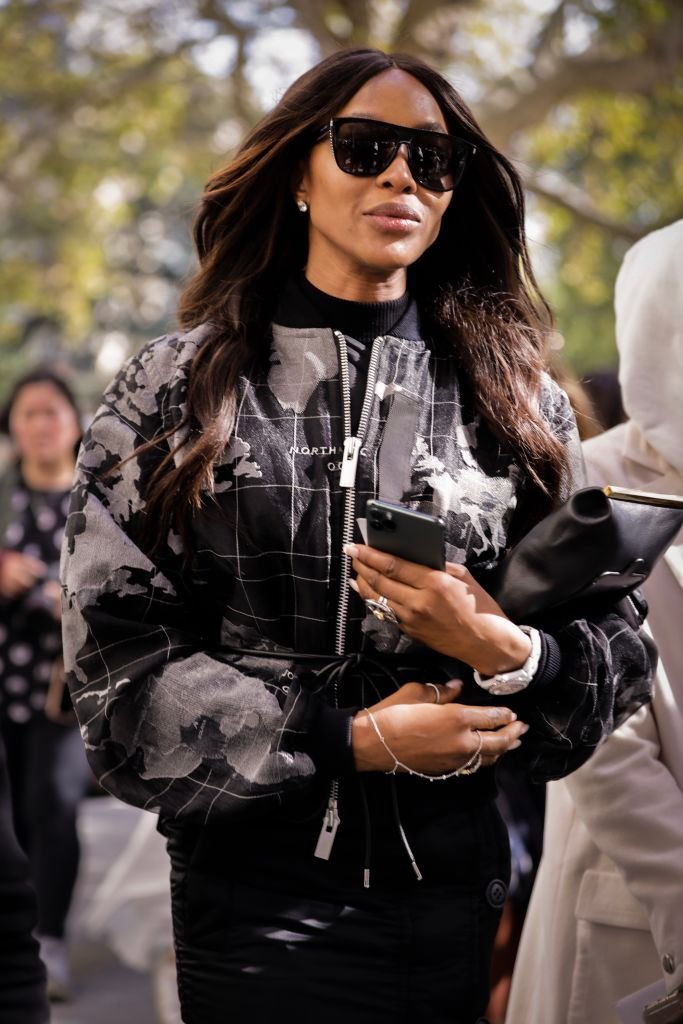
{"x": 30, "y": 636}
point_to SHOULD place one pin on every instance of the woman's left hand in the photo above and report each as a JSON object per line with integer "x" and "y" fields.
{"x": 447, "y": 611}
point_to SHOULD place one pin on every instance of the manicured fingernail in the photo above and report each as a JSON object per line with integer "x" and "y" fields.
{"x": 453, "y": 683}
{"x": 354, "y": 586}
{"x": 351, "y": 550}
{"x": 525, "y": 727}
{"x": 513, "y": 746}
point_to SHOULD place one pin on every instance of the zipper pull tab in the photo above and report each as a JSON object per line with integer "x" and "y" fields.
{"x": 331, "y": 823}
{"x": 350, "y": 462}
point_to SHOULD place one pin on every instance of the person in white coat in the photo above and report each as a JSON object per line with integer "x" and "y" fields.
{"x": 131, "y": 911}
{"x": 606, "y": 914}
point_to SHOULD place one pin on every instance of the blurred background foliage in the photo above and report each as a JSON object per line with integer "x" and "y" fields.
{"x": 114, "y": 112}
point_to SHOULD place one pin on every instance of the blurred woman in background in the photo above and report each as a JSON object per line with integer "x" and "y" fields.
{"x": 23, "y": 998}
{"x": 46, "y": 762}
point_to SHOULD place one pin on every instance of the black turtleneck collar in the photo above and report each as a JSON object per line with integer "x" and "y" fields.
{"x": 301, "y": 304}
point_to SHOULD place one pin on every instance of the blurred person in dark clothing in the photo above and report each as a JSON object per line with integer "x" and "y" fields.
{"x": 46, "y": 764}
{"x": 23, "y": 997}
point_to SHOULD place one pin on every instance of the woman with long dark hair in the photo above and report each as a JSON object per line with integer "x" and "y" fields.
{"x": 364, "y": 321}
{"x": 48, "y": 772}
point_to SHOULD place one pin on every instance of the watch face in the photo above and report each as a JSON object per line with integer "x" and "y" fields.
{"x": 502, "y": 689}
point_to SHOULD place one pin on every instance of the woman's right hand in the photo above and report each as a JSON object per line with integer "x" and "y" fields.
{"x": 430, "y": 737}
{"x": 18, "y": 573}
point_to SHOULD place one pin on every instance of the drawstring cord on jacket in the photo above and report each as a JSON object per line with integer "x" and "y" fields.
{"x": 404, "y": 838}
{"x": 331, "y": 676}
{"x": 367, "y": 826}
{"x": 336, "y": 673}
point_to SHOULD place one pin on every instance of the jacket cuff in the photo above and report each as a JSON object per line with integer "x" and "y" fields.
{"x": 329, "y": 742}
{"x": 549, "y": 664}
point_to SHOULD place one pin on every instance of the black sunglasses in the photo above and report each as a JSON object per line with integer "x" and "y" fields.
{"x": 365, "y": 147}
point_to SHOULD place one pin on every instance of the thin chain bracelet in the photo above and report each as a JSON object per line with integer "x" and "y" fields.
{"x": 464, "y": 769}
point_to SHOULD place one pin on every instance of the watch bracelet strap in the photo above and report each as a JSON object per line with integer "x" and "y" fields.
{"x": 549, "y": 663}
{"x": 529, "y": 668}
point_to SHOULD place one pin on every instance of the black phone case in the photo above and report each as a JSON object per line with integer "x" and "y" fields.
{"x": 413, "y": 536}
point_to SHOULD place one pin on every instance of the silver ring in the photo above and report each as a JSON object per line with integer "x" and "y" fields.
{"x": 475, "y": 761}
{"x": 381, "y": 609}
{"x": 436, "y": 690}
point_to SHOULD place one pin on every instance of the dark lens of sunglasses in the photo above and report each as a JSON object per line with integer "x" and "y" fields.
{"x": 432, "y": 164}
{"x": 363, "y": 148}
{"x": 366, "y": 148}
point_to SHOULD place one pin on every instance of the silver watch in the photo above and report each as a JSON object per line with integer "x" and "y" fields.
{"x": 518, "y": 679}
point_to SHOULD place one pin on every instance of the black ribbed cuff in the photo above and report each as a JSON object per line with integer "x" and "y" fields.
{"x": 329, "y": 742}
{"x": 549, "y": 664}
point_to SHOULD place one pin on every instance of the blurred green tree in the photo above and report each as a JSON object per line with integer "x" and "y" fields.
{"x": 115, "y": 111}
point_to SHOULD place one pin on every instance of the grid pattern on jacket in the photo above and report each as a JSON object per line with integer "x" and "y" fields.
{"x": 173, "y": 722}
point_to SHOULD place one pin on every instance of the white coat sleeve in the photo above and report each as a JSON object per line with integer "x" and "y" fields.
{"x": 633, "y": 808}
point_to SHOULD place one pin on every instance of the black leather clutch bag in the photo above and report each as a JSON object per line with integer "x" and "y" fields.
{"x": 601, "y": 543}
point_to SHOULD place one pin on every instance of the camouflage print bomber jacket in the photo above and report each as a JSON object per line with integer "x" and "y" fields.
{"x": 173, "y": 716}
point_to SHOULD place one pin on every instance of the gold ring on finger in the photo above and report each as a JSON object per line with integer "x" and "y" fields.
{"x": 437, "y": 692}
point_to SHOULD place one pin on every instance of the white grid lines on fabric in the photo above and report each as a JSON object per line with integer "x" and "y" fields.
{"x": 284, "y": 727}
{"x": 222, "y": 789}
{"x": 286, "y": 574}
{"x": 237, "y": 492}
{"x": 608, "y": 639}
{"x": 117, "y": 643}
{"x": 397, "y": 366}
{"x": 107, "y": 409}
{"x": 280, "y": 487}
{"x": 287, "y": 417}
{"x": 136, "y": 661}
{"x": 154, "y": 600}
{"x": 265, "y": 553}
{"x": 275, "y": 618}
{"x": 107, "y": 674}
{"x": 431, "y": 417}
{"x": 110, "y": 771}
{"x": 155, "y": 796}
{"x": 240, "y": 574}
{"x": 200, "y": 789}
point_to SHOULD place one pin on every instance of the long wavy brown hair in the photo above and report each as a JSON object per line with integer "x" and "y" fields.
{"x": 474, "y": 286}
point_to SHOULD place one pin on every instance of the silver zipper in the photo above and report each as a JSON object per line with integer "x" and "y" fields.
{"x": 331, "y": 822}
{"x": 352, "y": 447}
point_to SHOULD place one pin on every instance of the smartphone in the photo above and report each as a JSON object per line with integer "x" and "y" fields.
{"x": 414, "y": 536}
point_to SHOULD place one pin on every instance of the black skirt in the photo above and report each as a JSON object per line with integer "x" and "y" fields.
{"x": 266, "y": 931}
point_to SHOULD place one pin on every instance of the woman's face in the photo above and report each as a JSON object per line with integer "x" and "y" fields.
{"x": 43, "y": 424}
{"x": 350, "y": 238}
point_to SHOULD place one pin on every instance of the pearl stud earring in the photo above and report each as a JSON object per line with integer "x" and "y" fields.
{"x": 302, "y": 205}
